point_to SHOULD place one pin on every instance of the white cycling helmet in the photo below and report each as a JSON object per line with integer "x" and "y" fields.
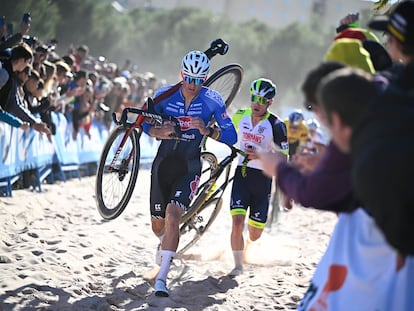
{"x": 263, "y": 88}
{"x": 195, "y": 64}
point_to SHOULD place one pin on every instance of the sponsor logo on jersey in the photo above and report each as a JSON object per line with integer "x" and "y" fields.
{"x": 261, "y": 129}
{"x": 195, "y": 110}
{"x": 226, "y": 125}
{"x": 253, "y": 137}
{"x": 188, "y": 136}
{"x": 215, "y": 96}
{"x": 185, "y": 123}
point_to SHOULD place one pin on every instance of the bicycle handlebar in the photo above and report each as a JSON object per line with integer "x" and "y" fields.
{"x": 151, "y": 116}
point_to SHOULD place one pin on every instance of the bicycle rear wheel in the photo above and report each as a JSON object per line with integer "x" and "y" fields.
{"x": 227, "y": 81}
{"x": 192, "y": 230}
{"x": 117, "y": 173}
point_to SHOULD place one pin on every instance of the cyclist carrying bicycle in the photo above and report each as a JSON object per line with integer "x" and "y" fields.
{"x": 176, "y": 169}
{"x": 258, "y": 130}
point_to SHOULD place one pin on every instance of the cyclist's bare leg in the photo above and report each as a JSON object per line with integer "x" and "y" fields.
{"x": 249, "y": 249}
{"x": 237, "y": 243}
{"x": 158, "y": 226}
{"x": 173, "y": 215}
{"x": 168, "y": 247}
{"x": 254, "y": 233}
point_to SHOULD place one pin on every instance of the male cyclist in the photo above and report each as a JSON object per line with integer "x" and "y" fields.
{"x": 258, "y": 130}
{"x": 176, "y": 169}
{"x": 297, "y": 131}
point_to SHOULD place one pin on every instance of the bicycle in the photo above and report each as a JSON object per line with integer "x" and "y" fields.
{"x": 118, "y": 166}
{"x": 208, "y": 201}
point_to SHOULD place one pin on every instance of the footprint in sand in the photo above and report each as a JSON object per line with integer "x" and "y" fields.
{"x": 5, "y": 259}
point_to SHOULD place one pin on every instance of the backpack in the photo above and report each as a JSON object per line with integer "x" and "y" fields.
{"x": 382, "y": 149}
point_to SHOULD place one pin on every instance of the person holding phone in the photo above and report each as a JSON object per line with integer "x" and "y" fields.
{"x": 10, "y": 39}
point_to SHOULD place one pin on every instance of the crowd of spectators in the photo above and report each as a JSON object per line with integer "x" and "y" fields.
{"x": 35, "y": 80}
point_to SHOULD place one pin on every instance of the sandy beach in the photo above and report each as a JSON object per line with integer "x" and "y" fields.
{"x": 57, "y": 253}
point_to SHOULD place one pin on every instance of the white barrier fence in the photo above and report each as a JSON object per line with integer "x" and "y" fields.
{"x": 28, "y": 150}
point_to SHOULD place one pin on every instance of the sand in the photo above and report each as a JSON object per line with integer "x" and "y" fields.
{"x": 57, "y": 253}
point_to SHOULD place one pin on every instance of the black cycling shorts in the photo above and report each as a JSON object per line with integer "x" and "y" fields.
{"x": 251, "y": 191}
{"x": 173, "y": 180}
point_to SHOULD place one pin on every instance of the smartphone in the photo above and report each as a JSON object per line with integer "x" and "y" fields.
{"x": 26, "y": 18}
{"x": 2, "y": 19}
{"x": 10, "y": 28}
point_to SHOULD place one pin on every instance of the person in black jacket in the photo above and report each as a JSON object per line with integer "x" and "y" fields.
{"x": 382, "y": 147}
{"x": 10, "y": 100}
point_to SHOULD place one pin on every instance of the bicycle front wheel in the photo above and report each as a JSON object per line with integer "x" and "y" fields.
{"x": 117, "y": 173}
{"x": 192, "y": 230}
{"x": 227, "y": 81}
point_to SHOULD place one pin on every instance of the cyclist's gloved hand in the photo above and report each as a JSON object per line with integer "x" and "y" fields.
{"x": 198, "y": 123}
{"x": 165, "y": 131}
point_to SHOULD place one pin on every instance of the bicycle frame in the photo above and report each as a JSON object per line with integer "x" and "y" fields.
{"x": 224, "y": 164}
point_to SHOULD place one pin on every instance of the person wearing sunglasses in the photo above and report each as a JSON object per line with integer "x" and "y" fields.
{"x": 258, "y": 130}
{"x": 176, "y": 169}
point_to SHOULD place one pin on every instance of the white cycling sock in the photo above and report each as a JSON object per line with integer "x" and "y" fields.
{"x": 238, "y": 259}
{"x": 166, "y": 259}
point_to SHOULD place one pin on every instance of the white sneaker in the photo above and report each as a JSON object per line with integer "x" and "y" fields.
{"x": 158, "y": 255}
{"x": 236, "y": 272}
{"x": 160, "y": 288}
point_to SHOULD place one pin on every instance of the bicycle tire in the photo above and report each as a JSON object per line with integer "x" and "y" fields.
{"x": 192, "y": 230}
{"x": 227, "y": 81}
{"x": 114, "y": 187}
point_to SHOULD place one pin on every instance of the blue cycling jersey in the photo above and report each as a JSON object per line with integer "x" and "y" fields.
{"x": 207, "y": 104}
